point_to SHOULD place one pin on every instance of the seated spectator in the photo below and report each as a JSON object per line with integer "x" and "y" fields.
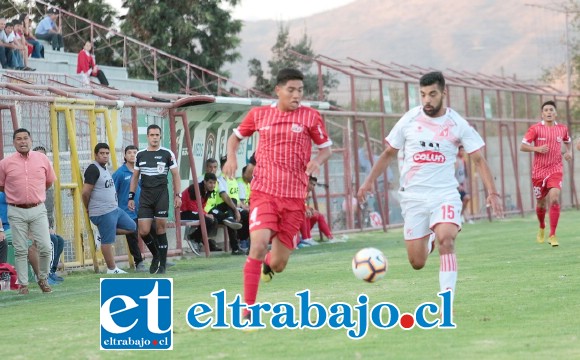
{"x": 87, "y": 67}
{"x": 5, "y": 47}
{"x": 190, "y": 211}
{"x": 37, "y": 47}
{"x": 21, "y": 46}
{"x": 312, "y": 218}
{"x": 48, "y": 30}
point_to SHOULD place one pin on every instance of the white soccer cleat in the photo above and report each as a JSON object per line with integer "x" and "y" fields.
{"x": 116, "y": 271}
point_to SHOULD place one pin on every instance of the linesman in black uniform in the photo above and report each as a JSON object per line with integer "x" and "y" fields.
{"x": 153, "y": 164}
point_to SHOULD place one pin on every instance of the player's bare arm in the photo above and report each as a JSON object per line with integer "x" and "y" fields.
{"x": 176, "y": 187}
{"x": 493, "y": 198}
{"x": 231, "y": 165}
{"x": 313, "y": 166}
{"x": 133, "y": 188}
{"x": 568, "y": 153}
{"x": 529, "y": 148}
{"x": 379, "y": 168}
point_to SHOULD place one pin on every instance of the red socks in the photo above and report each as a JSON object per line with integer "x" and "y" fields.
{"x": 252, "y": 271}
{"x": 541, "y": 213}
{"x": 554, "y": 217}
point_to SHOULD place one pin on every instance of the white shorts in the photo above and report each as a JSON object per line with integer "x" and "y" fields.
{"x": 421, "y": 215}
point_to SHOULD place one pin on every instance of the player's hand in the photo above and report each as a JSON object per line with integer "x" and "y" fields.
{"x": 2, "y": 236}
{"x": 131, "y": 205}
{"x": 568, "y": 155}
{"x": 312, "y": 168}
{"x": 542, "y": 149}
{"x": 494, "y": 201}
{"x": 230, "y": 167}
{"x": 177, "y": 203}
{"x": 238, "y": 216}
{"x": 365, "y": 189}
{"x": 308, "y": 213}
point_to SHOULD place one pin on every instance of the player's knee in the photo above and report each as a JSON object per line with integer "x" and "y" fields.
{"x": 417, "y": 263}
{"x": 278, "y": 266}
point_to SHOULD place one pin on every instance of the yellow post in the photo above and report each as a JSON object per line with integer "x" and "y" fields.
{"x": 76, "y": 172}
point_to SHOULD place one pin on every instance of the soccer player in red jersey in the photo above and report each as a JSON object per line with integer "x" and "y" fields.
{"x": 287, "y": 130}
{"x": 547, "y": 137}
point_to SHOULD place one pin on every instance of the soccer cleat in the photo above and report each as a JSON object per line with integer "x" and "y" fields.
{"x": 310, "y": 242}
{"x": 267, "y": 273}
{"x": 140, "y": 267}
{"x": 116, "y": 271}
{"x": 154, "y": 266}
{"x": 553, "y": 241}
{"x": 239, "y": 252}
{"x": 540, "y": 236}
{"x": 54, "y": 277}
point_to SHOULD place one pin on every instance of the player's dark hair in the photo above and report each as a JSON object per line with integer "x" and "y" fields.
{"x": 210, "y": 161}
{"x": 244, "y": 169}
{"x": 129, "y": 147}
{"x": 100, "y": 146}
{"x": 288, "y": 74}
{"x": 435, "y": 77}
{"x": 209, "y": 176}
{"x": 153, "y": 126}
{"x": 39, "y": 148}
{"x": 549, "y": 102}
{"x": 18, "y": 131}
{"x": 253, "y": 159}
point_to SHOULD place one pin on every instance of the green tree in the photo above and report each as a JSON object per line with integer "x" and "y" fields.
{"x": 202, "y": 32}
{"x": 283, "y": 57}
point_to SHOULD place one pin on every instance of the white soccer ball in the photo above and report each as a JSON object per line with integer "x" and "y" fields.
{"x": 369, "y": 264}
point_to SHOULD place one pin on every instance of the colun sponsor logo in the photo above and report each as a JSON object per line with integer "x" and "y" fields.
{"x": 355, "y": 320}
{"x": 429, "y": 157}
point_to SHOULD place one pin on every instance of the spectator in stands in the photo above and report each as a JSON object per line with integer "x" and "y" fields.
{"x": 37, "y": 47}
{"x": 190, "y": 211}
{"x": 313, "y": 217}
{"x": 5, "y": 233}
{"x": 5, "y": 47}
{"x": 87, "y": 67}
{"x": 21, "y": 46}
{"x": 244, "y": 203}
{"x": 49, "y": 31}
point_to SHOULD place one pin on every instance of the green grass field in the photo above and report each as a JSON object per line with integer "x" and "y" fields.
{"x": 515, "y": 299}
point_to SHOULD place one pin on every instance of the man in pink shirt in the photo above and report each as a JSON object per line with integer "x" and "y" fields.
{"x": 287, "y": 130}
{"x": 24, "y": 177}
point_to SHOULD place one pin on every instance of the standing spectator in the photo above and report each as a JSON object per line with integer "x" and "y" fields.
{"x": 25, "y": 194}
{"x": 87, "y": 67}
{"x": 56, "y": 240}
{"x": 6, "y": 51}
{"x": 153, "y": 165}
{"x": 461, "y": 174}
{"x": 280, "y": 181}
{"x": 547, "y": 137}
{"x": 122, "y": 178}
{"x": 37, "y": 47}
{"x": 49, "y": 31}
{"x": 100, "y": 199}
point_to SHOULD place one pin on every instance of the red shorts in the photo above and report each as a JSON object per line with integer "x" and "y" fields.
{"x": 283, "y": 216}
{"x": 542, "y": 186}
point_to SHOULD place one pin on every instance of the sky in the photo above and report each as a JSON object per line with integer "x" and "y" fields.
{"x": 275, "y": 9}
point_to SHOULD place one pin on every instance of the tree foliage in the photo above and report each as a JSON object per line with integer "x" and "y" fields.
{"x": 283, "y": 57}
{"x": 202, "y": 32}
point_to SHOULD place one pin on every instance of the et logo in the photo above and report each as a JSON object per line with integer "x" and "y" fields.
{"x": 136, "y": 314}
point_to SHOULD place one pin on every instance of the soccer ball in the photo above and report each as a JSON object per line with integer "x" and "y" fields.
{"x": 369, "y": 264}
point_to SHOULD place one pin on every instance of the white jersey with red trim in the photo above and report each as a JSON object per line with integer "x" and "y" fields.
{"x": 430, "y": 149}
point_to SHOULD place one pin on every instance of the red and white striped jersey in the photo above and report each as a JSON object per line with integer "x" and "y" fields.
{"x": 284, "y": 147}
{"x": 551, "y": 162}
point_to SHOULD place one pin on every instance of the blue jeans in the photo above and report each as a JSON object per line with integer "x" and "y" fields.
{"x": 57, "y": 248}
{"x": 37, "y": 50}
{"x": 17, "y": 61}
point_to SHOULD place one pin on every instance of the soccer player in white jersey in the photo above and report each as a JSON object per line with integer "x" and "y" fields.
{"x": 430, "y": 136}
{"x": 287, "y": 130}
{"x": 545, "y": 140}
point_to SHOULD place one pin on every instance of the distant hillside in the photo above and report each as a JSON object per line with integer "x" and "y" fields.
{"x": 488, "y": 36}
